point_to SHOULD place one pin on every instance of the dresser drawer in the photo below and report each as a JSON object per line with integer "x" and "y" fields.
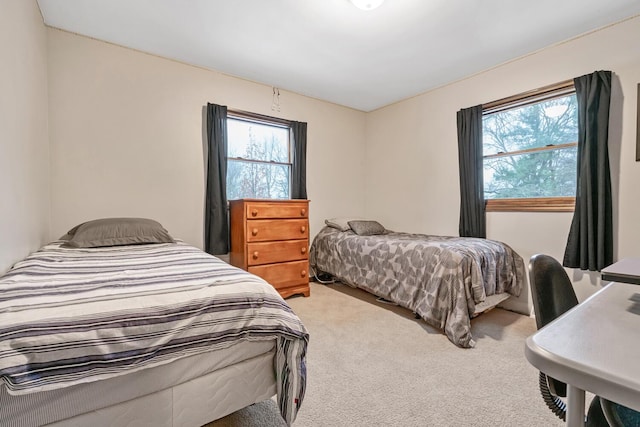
{"x": 284, "y": 229}
{"x": 284, "y": 274}
{"x": 264, "y": 210}
{"x": 269, "y": 252}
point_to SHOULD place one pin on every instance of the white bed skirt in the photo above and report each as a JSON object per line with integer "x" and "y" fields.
{"x": 189, "y": 392}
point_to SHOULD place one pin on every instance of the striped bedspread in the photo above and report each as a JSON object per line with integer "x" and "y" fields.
{"x": 70, "y": 316}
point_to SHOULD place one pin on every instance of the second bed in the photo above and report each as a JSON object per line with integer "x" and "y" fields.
{"x": 442, "y": 279}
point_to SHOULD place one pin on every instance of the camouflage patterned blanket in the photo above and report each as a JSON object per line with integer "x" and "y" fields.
{"x": 439, "y": 278}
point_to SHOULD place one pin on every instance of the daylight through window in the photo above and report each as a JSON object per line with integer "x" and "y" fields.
{"x": 530, "y": 151}
{"x": 258, "y": 159}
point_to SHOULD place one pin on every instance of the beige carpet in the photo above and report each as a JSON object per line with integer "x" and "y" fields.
{"x": 372, "y": 364}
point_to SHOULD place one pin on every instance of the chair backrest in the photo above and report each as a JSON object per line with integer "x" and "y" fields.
{"x": 551, "y": 289}
{"x": 553, "y": 295}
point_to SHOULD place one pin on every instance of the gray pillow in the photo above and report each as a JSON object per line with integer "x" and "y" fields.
{"x": 117, "y": 232}
{"x": 341, "y": 224}
{"x": 367, "y": 228}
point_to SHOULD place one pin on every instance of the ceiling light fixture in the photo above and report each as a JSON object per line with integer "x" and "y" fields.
{"x": 367, "y": 4}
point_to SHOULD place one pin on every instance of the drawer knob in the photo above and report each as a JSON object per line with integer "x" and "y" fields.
{"x": 303, "y": 250}
{"x": 303, "y": 229}
{"x": 255, "y": 255}
{"x": 254, "y": 212}
{"x": 303, "y": 273}
{"x": 254, "y": 232}
{"x": 303, "y": 211}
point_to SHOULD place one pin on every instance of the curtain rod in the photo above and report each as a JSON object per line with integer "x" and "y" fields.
{"x": 259, "y": 117}
{"x": 554, "y": 90}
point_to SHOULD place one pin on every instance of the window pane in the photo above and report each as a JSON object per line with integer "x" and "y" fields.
{"x": 529, "y": 170}
{"x": 554, "y": 121}
{"x": 257, "y": 180}
{"x": 257, "y": 141}
{"x": 549, "y": 173}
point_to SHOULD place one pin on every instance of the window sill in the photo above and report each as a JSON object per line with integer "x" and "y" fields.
{"x": 539, "y": 204}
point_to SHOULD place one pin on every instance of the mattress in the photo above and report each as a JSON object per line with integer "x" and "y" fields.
{"x": 191, "y": 404}
{"x": 55, "y": 405}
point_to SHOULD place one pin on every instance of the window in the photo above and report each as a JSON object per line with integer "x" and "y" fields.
{"x": 258, "y": 157}
{"x": 530, "y": 151}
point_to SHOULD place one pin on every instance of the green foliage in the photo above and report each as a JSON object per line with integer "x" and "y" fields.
{"x": 546, "y": 173}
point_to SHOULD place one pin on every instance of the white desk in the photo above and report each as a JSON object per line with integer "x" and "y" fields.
{"x": 595, "y": 347}
{"x": 626, "y": 270}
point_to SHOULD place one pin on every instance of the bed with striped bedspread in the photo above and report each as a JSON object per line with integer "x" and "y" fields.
{"x": 71, "y": 316}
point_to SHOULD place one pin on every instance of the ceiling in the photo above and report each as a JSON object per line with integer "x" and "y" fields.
{"x": 330, "y": 50}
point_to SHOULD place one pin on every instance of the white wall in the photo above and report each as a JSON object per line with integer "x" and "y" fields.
{"x": 24, "y": 144}
{"x": 127, "y": 135}
{"x": 412, "y": 156}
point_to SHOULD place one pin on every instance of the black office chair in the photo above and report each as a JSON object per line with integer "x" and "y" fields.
{"x": 553, "y": 295}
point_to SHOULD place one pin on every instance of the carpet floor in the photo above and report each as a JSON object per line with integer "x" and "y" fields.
{"x": 373, "y": 364}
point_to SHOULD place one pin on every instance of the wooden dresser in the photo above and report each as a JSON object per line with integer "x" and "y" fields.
{"x": 270, "y": 238}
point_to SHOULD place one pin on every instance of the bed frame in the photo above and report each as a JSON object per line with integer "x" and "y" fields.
{"x": 189, "y": 392}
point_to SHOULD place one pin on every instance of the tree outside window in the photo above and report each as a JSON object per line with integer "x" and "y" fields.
{"x": 530, "y": 150}
{"x": 258, "y": 160}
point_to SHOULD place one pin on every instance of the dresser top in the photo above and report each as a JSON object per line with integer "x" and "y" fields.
{"x": 268, "y": 200}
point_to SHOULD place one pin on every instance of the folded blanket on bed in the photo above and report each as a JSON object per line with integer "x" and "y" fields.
{"x": 70, "y": 316}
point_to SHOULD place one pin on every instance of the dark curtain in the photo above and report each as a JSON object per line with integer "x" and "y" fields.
{"x": 590, "y": 242}
{"x": 299, "y": 166}
{"x": 472, "y": 205}
{"x": 216, "y": 229}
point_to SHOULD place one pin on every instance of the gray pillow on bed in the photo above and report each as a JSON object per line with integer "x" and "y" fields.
{"x": 367, "y": 228}
{"x": 117, "y": 232}
{"x": 341, "y": 224}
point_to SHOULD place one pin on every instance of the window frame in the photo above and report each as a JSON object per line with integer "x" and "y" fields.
{"x": 531, "y": 204}
{"x": 266, "y": 121}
